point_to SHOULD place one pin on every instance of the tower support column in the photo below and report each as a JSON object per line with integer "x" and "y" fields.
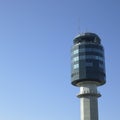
{"x": 89, "y": 101}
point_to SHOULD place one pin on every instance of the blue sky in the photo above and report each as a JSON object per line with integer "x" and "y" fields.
{"x": 35, "y": 41}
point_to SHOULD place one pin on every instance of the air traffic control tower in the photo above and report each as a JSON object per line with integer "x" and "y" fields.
{"x": 88, "y": 72}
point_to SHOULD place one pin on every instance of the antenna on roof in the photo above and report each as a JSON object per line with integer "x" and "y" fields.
{"x": 86, "y": 30}
{"x": 78, "y": 26}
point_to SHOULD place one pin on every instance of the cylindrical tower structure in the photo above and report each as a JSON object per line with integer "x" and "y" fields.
{"x": 88, "y": 72}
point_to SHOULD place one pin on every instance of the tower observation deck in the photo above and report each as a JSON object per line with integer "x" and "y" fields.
{"x": 88, "y": 72}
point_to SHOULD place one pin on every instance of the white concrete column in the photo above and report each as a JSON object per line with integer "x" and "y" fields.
{"x": 88, "y": 101}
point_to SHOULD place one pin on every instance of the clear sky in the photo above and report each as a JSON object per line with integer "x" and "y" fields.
{"x": 35, "y": 41}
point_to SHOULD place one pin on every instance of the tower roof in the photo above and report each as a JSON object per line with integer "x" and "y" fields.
{"x": 87, "y": 37}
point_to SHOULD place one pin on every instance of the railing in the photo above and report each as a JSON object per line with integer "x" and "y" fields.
{"x": 88, "y": 93}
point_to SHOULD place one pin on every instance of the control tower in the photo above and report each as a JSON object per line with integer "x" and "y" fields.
{"x": 88, "y": 72}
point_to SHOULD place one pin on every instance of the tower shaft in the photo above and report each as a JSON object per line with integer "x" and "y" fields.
{"x": 89, "y": 102}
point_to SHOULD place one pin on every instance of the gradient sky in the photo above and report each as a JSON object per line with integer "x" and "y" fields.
{"x": 35, "y": 41}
